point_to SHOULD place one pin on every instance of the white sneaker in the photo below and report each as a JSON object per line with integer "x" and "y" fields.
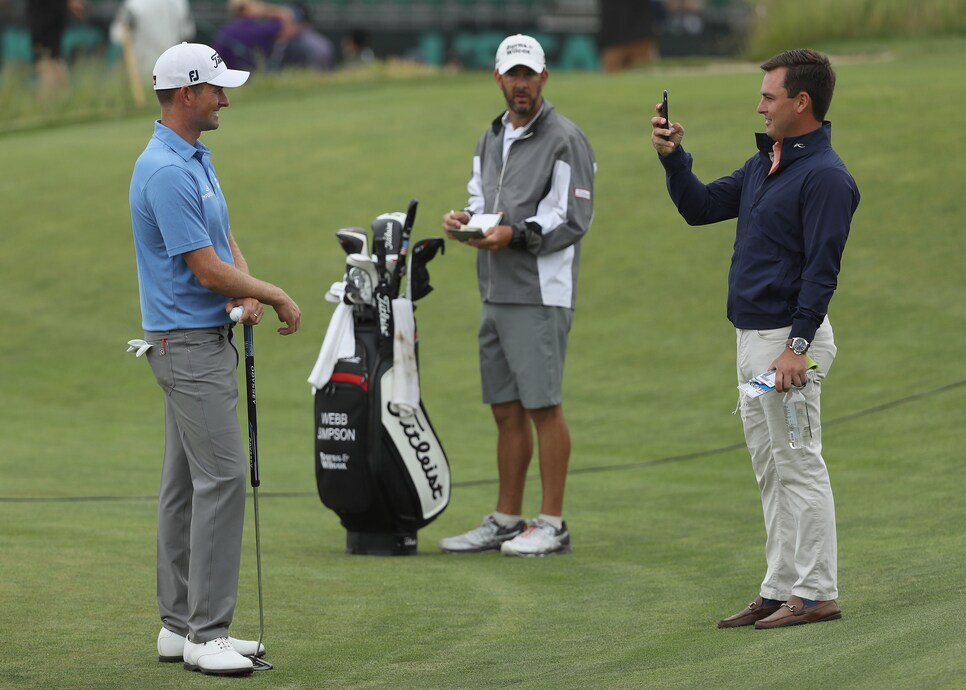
{"x": 216, "y": 657}
{"x": 540, "y": 539}
{"x": 487, "y": 537}
{"x": 171, "y": 647}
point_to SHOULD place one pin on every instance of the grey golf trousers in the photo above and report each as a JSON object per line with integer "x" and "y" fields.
{"x": 201, "y": 503}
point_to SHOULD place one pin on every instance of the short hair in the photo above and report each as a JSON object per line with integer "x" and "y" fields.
{"x": 166, "y": 96}
{"x": 809, "y": 71}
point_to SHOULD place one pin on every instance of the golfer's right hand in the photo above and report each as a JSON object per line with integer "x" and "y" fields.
{"x": 289, "y": 314}
{"x": 661, "y": 129}
{"x": 454, "y": 219}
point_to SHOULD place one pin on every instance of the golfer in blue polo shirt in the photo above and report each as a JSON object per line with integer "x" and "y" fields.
{"x": 191, "y": 274}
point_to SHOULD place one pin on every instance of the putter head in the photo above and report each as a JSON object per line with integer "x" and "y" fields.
{"x": 353, "y": 240}
{"x": 259, "y": 664}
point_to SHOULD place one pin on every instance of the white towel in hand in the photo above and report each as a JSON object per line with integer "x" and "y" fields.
{"x": 339, "y": 343}
{"x": 405, "y": 375}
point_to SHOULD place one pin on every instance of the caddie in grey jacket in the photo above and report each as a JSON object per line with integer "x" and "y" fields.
{"x": 535, "y": 168}
{"x": 544, "y": 189}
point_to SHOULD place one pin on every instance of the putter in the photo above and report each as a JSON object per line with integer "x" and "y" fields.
{"x": 259, "y": 664}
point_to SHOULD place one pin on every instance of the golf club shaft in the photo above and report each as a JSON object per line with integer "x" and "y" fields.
{"x": 407, "y": 231}
{"x": 253, "y": 465}
{"x": 258, "y": 568}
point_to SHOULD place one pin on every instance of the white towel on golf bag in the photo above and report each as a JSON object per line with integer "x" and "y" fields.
{"x": 339, "y": 342}
{"x": 405, "y": 375}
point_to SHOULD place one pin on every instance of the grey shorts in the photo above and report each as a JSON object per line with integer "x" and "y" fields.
{"x": 522, "y": 352}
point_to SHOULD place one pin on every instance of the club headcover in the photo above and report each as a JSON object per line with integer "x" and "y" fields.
{"x": 353, "y": 240}
{"x": 423, "y": 252}
{"x": 387, "y": 231}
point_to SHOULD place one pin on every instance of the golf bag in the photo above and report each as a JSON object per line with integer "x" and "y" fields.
{"x": 379, "y": 466}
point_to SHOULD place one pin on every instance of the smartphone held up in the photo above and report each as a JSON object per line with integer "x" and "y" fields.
{"x": 664, "y": 114}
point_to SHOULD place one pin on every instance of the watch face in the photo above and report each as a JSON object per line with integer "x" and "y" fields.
{"x": 799, "y": 346}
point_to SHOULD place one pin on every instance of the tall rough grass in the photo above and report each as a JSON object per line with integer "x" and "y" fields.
{"x": 780, "y": 24}
{"x": 99, "y": 90}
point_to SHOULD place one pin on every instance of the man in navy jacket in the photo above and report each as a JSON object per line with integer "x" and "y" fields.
{"x": 794, "y": 202}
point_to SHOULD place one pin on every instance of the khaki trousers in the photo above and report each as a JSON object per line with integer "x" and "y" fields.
{"x": 796, "y": 495}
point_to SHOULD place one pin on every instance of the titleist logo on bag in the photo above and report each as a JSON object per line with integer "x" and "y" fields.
{"x": 421, "y": 452}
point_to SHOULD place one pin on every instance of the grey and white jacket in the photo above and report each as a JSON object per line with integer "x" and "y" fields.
{"x": 545, "y": 190}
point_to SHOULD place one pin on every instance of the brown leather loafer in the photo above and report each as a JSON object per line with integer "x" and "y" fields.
{"x": 749, "y": 615}
{"x": 793, "y": 612}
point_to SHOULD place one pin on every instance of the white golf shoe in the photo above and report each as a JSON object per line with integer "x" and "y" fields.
{"x": 216, "y": 657}
{"x": 540, "y": 539}
{"x": 487, "y": 537}
{"x": 171, "y": 647}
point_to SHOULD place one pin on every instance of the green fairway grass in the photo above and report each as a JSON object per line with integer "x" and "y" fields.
{"x": 662, "y": 503}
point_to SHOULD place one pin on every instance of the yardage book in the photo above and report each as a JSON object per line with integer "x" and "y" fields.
{"x": 477, "y": 226}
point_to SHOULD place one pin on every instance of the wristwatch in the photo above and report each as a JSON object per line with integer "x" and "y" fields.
{"x": 798, "y": 345}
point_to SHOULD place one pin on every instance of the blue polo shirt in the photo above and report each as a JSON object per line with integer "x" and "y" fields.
{"x": 177, "y": 207}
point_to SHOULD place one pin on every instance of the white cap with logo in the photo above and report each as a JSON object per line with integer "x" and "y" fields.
{"x": 188, "y": 64}
{"x": 520, "y": 50}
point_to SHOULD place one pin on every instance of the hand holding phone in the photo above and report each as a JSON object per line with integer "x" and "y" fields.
{"x": 664, "y": 114}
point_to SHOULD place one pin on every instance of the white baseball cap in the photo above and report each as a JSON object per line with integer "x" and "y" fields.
{"x": 188, "y": 64}
{"x": 520, "y": 50}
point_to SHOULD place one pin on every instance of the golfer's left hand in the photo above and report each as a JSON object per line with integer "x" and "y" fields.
{"x": 253, "y": 309}
{"x": 497, "y": 238}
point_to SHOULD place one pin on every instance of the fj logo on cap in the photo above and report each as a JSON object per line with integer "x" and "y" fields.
{"x": 190, "y": 64}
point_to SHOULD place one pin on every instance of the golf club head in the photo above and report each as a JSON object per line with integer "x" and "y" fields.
{"x": 353, "y": 240}
{"x": 361, "y": 279}
{"x": 259, "y": 664}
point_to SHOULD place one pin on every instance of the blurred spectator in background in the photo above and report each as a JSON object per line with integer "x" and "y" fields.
{"x": 626, "y": 34}
{"x": 152, "y": 26}
{"x": 355, "y": 49}
{"x": 47, "y": 20}
{"x": 262, "y": 34}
